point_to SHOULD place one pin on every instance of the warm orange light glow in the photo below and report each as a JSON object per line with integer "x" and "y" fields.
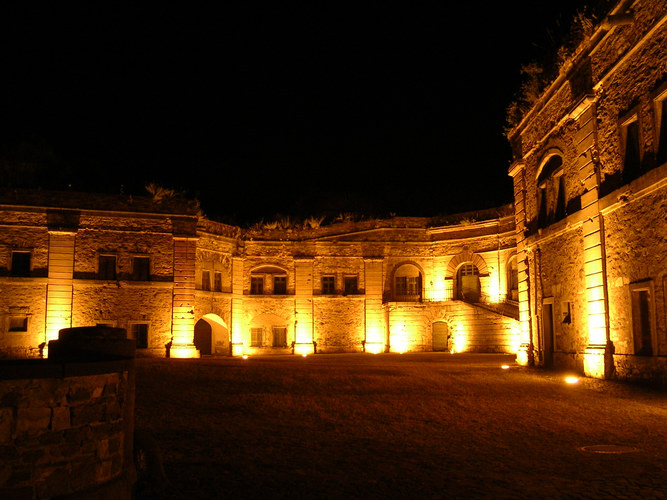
{"x": 594, "y": 362}
{"x": 374, "y": 347}
{"x": 303, "y": 349}
{"x": 505, "y": 367}
{"x": 184, "y": 352}
{"x": 515, "y": 342}
{"x": 493, "y": 292}
{"x": 571, "y": 380}
{"x": 460, "y": 339}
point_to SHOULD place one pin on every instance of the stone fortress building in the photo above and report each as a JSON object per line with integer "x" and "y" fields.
{"x": 183, "y": 286}
{"x": 590, "y": 189}
{"x": 573, "y": 274}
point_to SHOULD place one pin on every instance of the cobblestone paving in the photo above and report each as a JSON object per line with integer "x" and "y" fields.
{"x": 427, "y": 425}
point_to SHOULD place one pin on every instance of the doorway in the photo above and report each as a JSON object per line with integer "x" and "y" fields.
{"x": 440, "y": 336}
{"x": 548, "y": 332}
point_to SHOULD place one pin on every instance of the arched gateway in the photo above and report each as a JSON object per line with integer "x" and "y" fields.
{"x": 211, "y": 336}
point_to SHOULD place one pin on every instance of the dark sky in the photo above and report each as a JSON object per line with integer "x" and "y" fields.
{"x": 285, "y": 109}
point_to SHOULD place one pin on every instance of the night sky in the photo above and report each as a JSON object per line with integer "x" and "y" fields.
{"x": 289, "y": 109}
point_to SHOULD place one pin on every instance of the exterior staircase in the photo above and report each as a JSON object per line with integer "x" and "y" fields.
{"x": 485, "y": 327}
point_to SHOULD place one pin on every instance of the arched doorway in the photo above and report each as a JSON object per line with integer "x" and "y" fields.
{"x": 211, "y": 336}
{"x": 467, "y": 283}
{"x": 440, "y": 331}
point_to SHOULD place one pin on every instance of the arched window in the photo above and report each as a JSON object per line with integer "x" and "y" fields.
{"x": 551, "y": 191}
{"x": 408, "y": 284}
{"x": 467, "y": 283}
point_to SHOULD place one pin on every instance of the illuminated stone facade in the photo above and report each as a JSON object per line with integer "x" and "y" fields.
{"x": 183, "y": 285}
{"x": 590, "y": 185}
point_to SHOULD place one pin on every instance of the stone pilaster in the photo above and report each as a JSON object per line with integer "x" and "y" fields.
{"x": 374, "y": 314}
{"x": 238, "y": 332}
{"x": 596, "y": 363}
{"x": 525, "y": 354}
{"x": 303, "y": 306}
{"x": 183, "y": 304}
{"x": 60, "y": 284}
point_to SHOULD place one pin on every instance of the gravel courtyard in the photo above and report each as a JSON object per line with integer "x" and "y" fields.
{"x": 426, "y": 425}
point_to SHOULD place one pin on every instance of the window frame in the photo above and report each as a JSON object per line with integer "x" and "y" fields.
{"x": 20, "y": 271}
{"x": 24, "y": 319}
{"x": 630, "y": 171}
{"x": 142, "y": 272}
{"x": 512, "y": 271}
{"x": 551, "y": 192}
{"x": 328, "y": 284}
{"x": 639, "y": 346}
{"x": 660, "y": 125}
{"x": 256, "y": 337}
{"x": 206, "y": 280}
{"x": 351, "y": 284}
{"x": 256, "y": 285}
{"x": 144, "y": 344}
{"x": 102, "y": 274}
{"x": 282, "y": 330}
{"x": 279, "y": 289}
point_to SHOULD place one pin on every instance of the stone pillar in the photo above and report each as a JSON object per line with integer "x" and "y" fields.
{"x": 60, "y": 284}
{"x": 303, "y": 306}
{"x": 238, "y": 332}
{"x": 597, "y": 359}
{"x": 374, "y": 314}
{"x": 183, "y": 304}
{"x": 525, "y": 354}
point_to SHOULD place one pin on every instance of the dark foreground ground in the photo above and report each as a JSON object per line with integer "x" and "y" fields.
{"x": 429, "y": 425}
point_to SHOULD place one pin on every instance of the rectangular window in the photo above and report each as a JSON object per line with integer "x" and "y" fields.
{"x": 256, "y": 285}
{"x": 542, "y": 216}
{"x": 631, "y": 148}
{"x": 661, "y": 124}
{"x": 140, "y": 334}
{"x": 351, "y": 286}
{"x": 256, "y": 335}
{"x": 328, "y": 285}
{"x": 206, "y": 280}
{"x": 107, "y": 267}
{"x": 561, "y": 209}
{"x": 280, "y": 285}
{"x": 279, "y": 337}
{"x": 18, "y": 324}
{"x": 20, "y": 264}
{"x": 642, "y": 328}
{"x": 217, "y": 281}
{"x": 566, "y": 312}
{"x": 141, "y": 268}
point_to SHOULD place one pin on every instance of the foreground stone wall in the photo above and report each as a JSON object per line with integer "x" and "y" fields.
{"x": 66, "y": 429}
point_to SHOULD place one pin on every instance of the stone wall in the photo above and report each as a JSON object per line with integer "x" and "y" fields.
{"x": 610, "y": 240}
{"x": 206, "y": 276}
{"x": 66, "y": 428}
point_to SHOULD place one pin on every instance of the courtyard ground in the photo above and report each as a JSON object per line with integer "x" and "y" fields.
{"x": 427, "y": 425}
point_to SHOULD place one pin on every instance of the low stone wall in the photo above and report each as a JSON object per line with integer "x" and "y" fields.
{"x": 67, "y": 429}
{"x": 651, "y": 369}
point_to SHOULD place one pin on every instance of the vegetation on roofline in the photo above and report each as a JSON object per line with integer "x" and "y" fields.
{"x": 561, "y": 45}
